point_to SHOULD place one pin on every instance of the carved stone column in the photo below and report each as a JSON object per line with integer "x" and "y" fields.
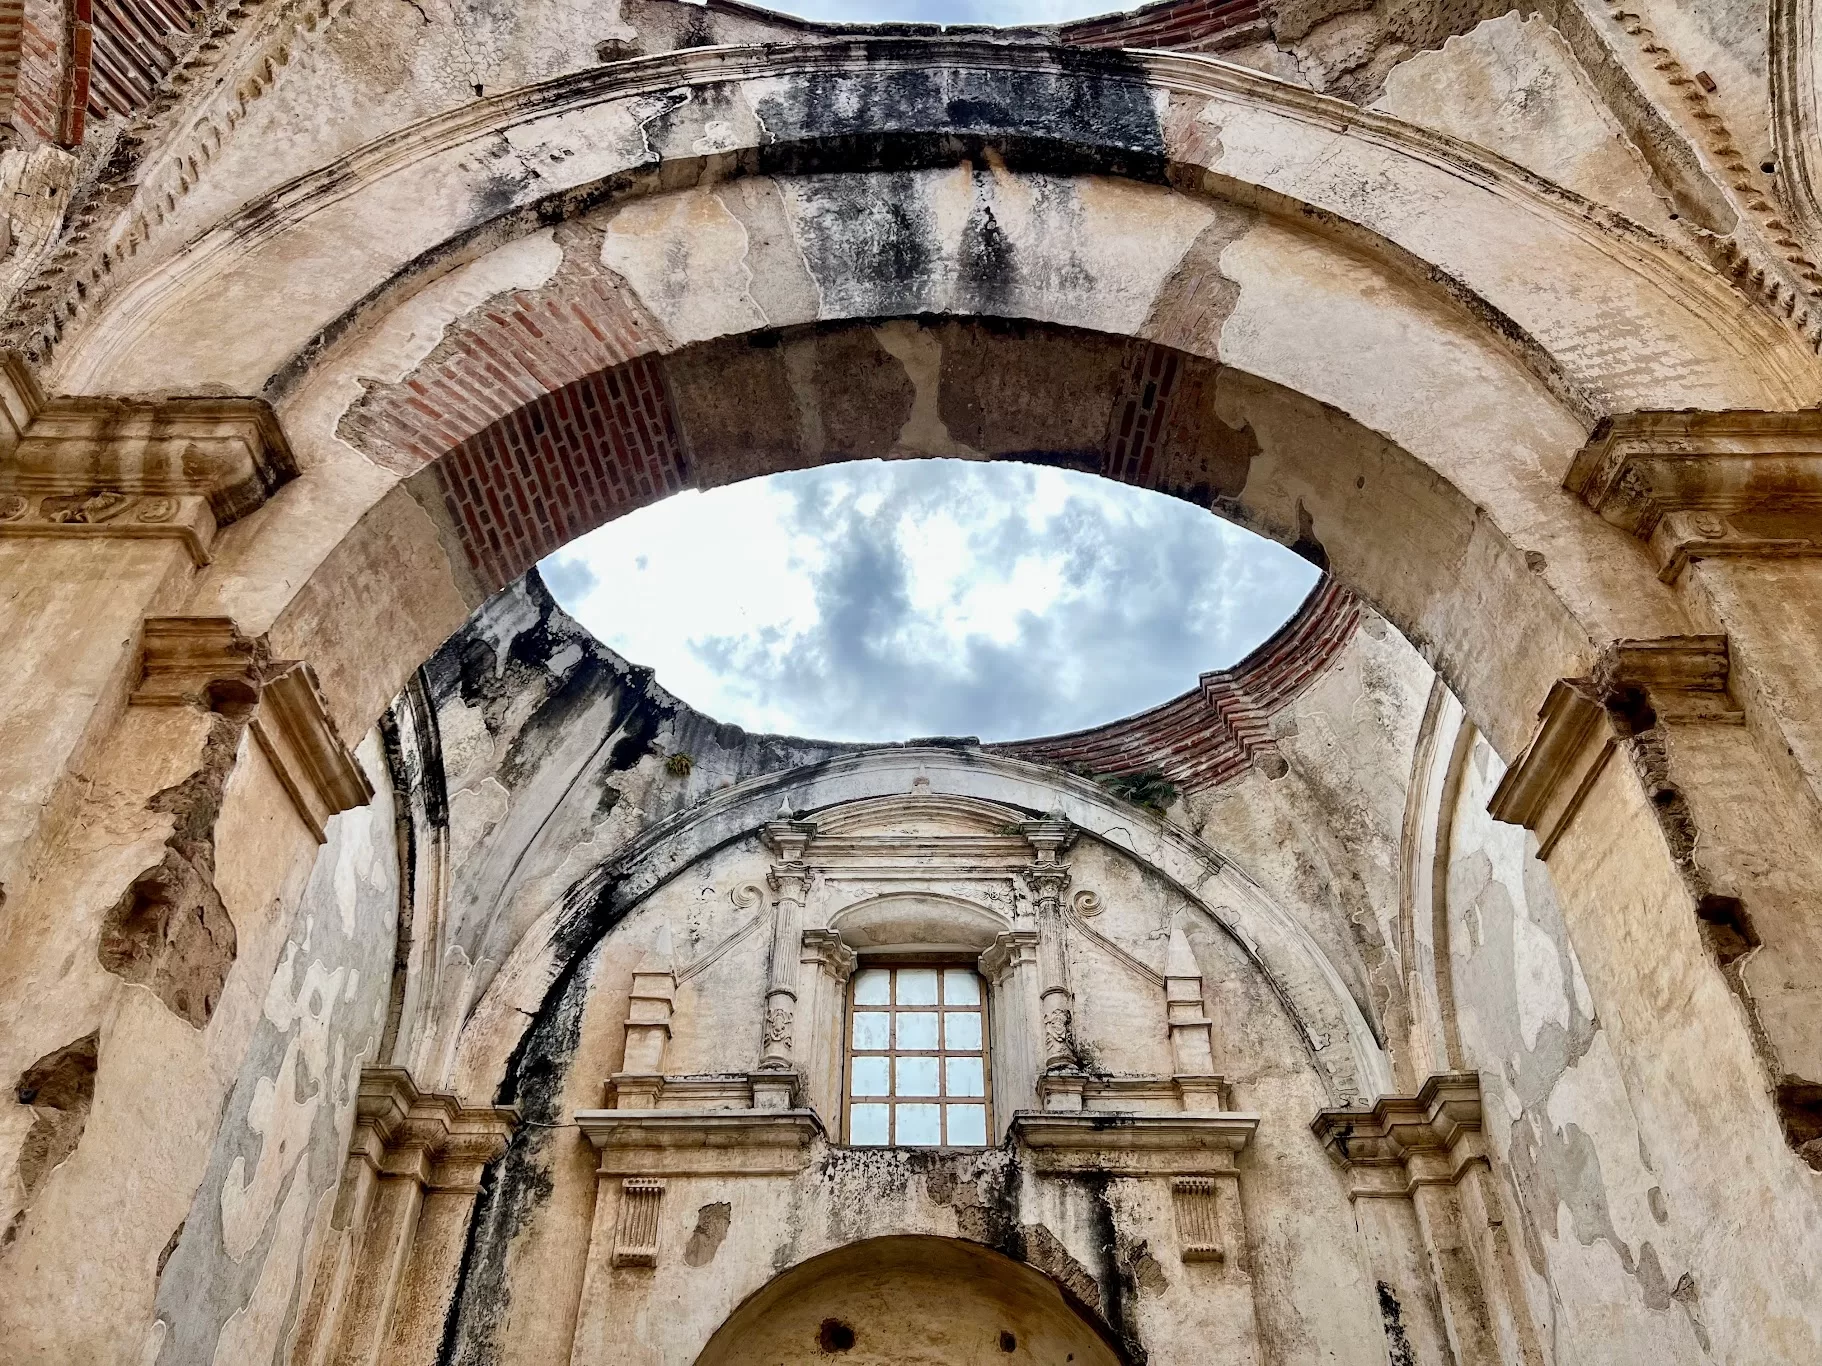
{"x": 1725, "y": 729}
{"x": 789, "y": 879}
{"x": 1047, "y": 877}
{"x": 1430, "y": 1215}
{"x": 384, "y": 1284}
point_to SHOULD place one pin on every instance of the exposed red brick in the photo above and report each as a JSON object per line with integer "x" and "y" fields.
{"x": 561, "y": 465}
{"x": 1185, "y": 25}
{"x": 1215, "y": 731}
{"x": 39, "y": 81}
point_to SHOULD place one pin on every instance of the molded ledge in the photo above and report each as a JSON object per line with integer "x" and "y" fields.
{"x": 1133, "y": 1145}
{"x": 431, "y": 1136}
{"x": 230, "y": 451}
{"x": 701, "y": 1142}
{"x": 1696, "y": 485}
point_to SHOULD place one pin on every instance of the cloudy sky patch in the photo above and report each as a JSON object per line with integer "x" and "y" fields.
{"x": 876, "y": 601}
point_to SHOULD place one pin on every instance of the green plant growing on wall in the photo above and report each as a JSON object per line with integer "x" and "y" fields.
{"x": 679, "y": 765}
{"x": 1151, "y": 789}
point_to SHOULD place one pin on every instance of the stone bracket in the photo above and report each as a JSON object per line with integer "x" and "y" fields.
{"x": 428, "y": 1135}
{"x": 1683, "y": 681}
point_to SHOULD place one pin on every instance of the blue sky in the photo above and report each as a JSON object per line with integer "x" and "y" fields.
{"x": 878, "y": 601}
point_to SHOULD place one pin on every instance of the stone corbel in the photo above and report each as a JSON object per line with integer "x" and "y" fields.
{"x": 825, "y": 951}
{"x": 1696, "y": 485}
{"x": 79, "y": 466}
{"x": 208, "y": 661}
{"x": 293, "y": 727}
{"x": 1010, "y": 951}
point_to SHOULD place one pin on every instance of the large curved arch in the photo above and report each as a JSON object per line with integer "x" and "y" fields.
{"x": 1346, "y": 1052}
{"x": 443, "y": 188}
{"x": 873, "y": 1301}
{"x": 1122, "y": 211}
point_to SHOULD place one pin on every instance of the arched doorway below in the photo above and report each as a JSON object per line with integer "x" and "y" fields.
{"x": 909, "y": 1301}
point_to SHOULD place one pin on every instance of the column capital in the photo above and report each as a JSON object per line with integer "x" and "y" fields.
{"x": 1408, "y": 1138}
{"x": 409, "y": 1129}
{"x": 1698, "y": 484}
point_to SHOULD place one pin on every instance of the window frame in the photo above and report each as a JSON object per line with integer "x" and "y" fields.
{"x": 939, "y": 961}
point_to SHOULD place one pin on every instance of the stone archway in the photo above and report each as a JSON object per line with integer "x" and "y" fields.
{"x": 1128, "y": 213}
{"x": 911, "y": 1301}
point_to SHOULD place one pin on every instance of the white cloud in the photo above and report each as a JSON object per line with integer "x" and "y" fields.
{"x": 877, "y": 601}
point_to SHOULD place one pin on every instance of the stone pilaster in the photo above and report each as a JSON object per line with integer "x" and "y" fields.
{"x": 789, "y": 879}
{"x": 1418, "y": 1172}
{"x": 383, "y": 1285}
{"x": 1047, "y": 877}
{"x": 1726, "y": 728}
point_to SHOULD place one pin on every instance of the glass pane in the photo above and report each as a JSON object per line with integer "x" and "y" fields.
{"x": 964, "y": 1076}
{"x": 919, "y": 1124}
{"x": 916, "y": 1077}
{"x": 870, "y": 1029}
{"x": 873, "y": 987}
{"x": 917, "y": 986}
{"x": 967, "y": 1126}
{"x": 916, "y": 1028}
{"x": 867, "y": 1125}
{"x": 872, "y": 1078}
{"x": 961, "y": 987}
{"x": 961, "y": 1029}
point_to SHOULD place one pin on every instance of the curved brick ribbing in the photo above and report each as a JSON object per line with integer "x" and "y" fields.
{"x": 1185, "y": 25}
{"x": 1214, "y": 731}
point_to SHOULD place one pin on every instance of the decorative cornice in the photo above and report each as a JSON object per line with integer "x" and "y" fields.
{"x": 1698, "y": 484}
{"x": 1405, "y": 1142}
{"x": 1010, "y": 949}
{"x": 294, "y": 729}
{"x": 429, "y": 1136}
{"x": 229, "y": 451}
{"x": 1546, "y": 785}
{"x": 1133, "y": 1144}
{"x": 701, "y": 1142}
{"x": 1436, "y": 1119}
{"x": 1682, "y": 679}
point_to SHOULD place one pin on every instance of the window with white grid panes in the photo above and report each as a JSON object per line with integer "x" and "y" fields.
{"x": 917, "y": 1057}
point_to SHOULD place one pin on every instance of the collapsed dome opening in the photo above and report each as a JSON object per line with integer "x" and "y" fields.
{"x": 889, "y": 600}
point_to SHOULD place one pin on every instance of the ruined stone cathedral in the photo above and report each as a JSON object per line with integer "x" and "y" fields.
{"x": 391, "y": 975}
